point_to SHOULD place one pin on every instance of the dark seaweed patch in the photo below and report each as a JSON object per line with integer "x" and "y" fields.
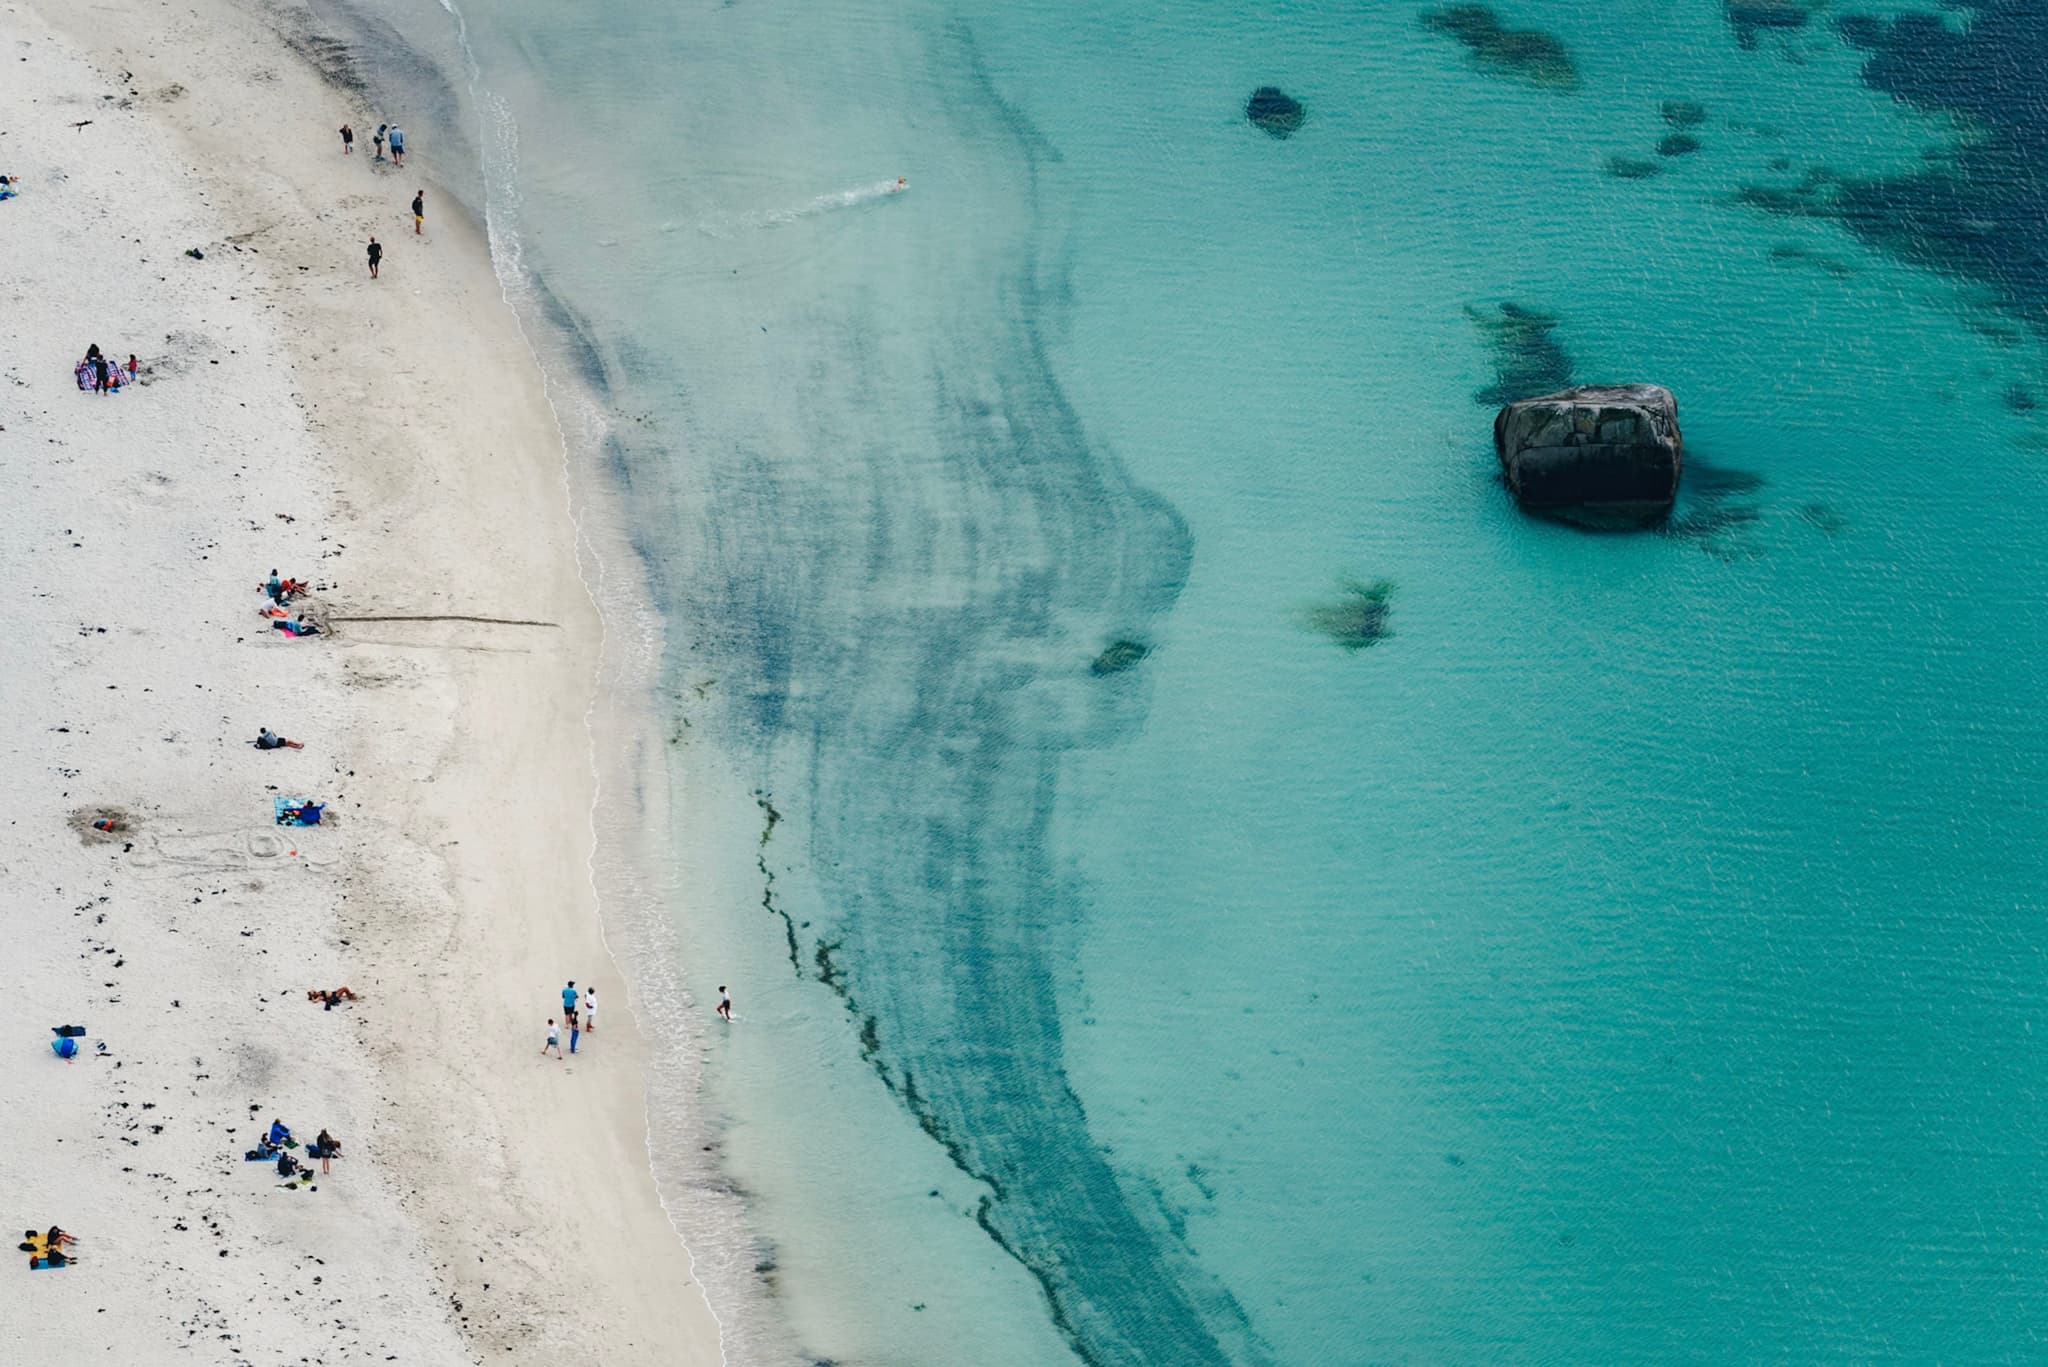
{"x": 1117, "y": 657}
{"x": 1717, "y": 505}
{"x": 1357, "y": 618}
{"x": 1750, "y": 17}
{"x": 1791, "y": 253}
{"x": 1684, "y": 113}
{"x": 1983, "y": 213}
{"x": 1527, "y": 54}
{"x": 1677, "y": 145}
{"x": 1527, "y": 360}
{"x": 1632, "y": 168}
{"x": 1274, "y": 112}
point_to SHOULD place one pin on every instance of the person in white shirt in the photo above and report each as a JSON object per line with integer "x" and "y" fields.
{"x": 589, "y": 1010}
{"x": 554, "y": 1041}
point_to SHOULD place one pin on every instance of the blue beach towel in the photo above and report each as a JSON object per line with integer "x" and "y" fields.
{"x": 45, "y": 1265}
{"x": 285, "y": 810}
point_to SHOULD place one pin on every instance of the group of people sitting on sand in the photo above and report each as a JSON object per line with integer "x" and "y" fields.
{"x": 98, "y": 373}
{"x": 280, "y": 592}
{"x": 278, "y": 1144}
{"x": 50, "y": 1248}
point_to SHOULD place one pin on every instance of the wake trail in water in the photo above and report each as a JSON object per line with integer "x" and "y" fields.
{"x": 857, "y": 197}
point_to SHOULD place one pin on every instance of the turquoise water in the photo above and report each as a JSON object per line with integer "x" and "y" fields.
{"x": 1633, "y": 956}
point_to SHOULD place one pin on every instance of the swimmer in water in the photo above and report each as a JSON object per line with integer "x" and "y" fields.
{"x": 899, "y": 187}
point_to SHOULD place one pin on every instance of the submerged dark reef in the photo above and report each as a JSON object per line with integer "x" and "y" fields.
{"x": 1527, "y": 360}
{"x": 1527, "y": 54}
{"x": 1357, "y": 617}
{"x": 1979, "y": 211}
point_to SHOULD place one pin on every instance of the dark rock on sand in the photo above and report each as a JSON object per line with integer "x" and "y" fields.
{"x": 1750, "y": 17}
{"x": 1684, "y": 113}
{"x": 1119, "y": 656}
{"x": 1274, "y": 111}
{"x": 1600, "y": 455}
{"x": 1529, "y": 54}
{"x": 1358, "y": 617}
{"x": 1526, "y": 358}
{"x": 1678, "y": 145}
{"x": 1632, "y": 168}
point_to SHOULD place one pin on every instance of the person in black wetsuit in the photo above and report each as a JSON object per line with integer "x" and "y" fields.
{"x": 376, "y": 255}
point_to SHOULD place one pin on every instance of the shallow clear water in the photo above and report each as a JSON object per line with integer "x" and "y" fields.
{"x": 1633, "y": 956}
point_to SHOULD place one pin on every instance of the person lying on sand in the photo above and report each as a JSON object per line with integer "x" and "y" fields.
{"x": 299, "y": 626}
{"x": 331, "y": 999}
{"x": 309, "y": 814}
{"x": 267, "y": 739}
{"x": 7, "y": 184}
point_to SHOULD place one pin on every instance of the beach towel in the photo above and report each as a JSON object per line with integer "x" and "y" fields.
{"x": 116, "y": 376}
{"x": 67, "y": 1031}
{"x": 45, "y": 1265}
{"x": 285, "y": 811}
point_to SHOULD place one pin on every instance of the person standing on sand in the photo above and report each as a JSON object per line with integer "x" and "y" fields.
{"x": 569, "y": 995}
{"x": 419, "y": 211}
{"x": 724, "y": 1003}
{"x": 589, "y": 1010}
{"x": 376, "y": 256}
{"x": 379, "y": 140}
{"x": 348, "y": 140}
{"x": 99, "y": 374}
{"x": 397, "y": 145}
{"x": 554, "y": 1040}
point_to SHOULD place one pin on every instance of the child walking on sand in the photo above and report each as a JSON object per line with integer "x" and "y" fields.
{"x": 589, "y": 1010}
{"x": 378, "y": 139}
{"x": 348, "y": 140}
{"x": 419, "y": 211}
{"x": 554, "y": 1040}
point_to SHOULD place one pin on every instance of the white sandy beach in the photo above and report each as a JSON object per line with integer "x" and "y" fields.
{"x": 491, "y": 1205}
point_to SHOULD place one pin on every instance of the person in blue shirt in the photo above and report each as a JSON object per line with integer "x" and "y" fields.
{"x": 279, "y": 1132}
{"x": 569, "y": 1001}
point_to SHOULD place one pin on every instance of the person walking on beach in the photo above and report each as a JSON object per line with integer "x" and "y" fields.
{"x": 589, "y": 1010}
{"x": 378, "y": 139}
{"x": 419, "y": 210}
{"x": 724, "y": 1003}
{"x": 348, "y": 140}
{"x": 99, "y": 374}
{"x": 376, "y": 256}
{"x": 575, "y": 1033}
{"x": 554, "y": 1040}
{"x": 397, "y": 145}
{"x": 569, "y": 1002}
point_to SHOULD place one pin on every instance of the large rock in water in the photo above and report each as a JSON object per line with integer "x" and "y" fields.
{"x": 1605, "y": 455}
